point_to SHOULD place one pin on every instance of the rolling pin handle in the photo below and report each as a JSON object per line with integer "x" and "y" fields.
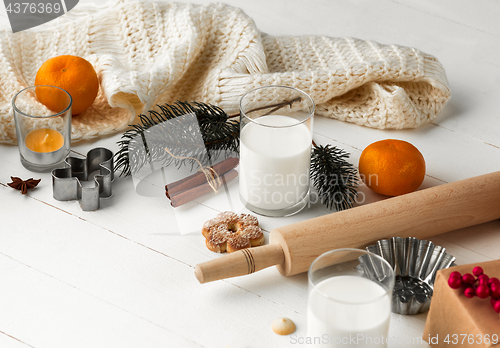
{"x": 239, "y": 263}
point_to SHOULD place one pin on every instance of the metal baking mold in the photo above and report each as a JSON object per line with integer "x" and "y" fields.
{"x": 67, "y": 182}
{"x": 415, "y": 263}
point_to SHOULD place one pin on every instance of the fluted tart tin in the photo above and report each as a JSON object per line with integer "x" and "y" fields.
{"x": 415, "y": 263}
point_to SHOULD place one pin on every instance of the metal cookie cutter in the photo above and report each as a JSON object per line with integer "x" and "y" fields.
{"x": 66, "y": 182}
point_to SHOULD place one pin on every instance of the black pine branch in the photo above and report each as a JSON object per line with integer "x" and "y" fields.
{"x": 218, "y": 132}
{"x": 334, "y": 178}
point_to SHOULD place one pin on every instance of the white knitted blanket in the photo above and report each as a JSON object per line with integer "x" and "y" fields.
{"x": 147, "y": 53}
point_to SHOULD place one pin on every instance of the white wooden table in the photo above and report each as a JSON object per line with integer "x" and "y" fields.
{"x": 122, "y": 277}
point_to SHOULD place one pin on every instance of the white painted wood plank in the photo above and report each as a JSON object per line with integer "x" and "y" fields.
{"x": 462, "y": 12}
{"x": 4, "y": 20}
{"x": 46, "y": 312}
{"x": 473, "y": 244}
{"x": 449, "y": 156}
{"x": 148, "y": 285}
{"x": 149, "y": 226}
{"x": 290, "y": 293}
{"x": 7, "y": 341}
{"x": 262, "y": 284}
{"x": 259, "y": 284}
{"x": 122, "y": 254}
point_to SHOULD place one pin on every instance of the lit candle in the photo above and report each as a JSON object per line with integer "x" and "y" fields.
{"x": 40, "y": 147}
{"x": 44, "y": 140}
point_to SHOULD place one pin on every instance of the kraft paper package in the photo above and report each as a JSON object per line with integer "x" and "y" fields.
{"x": 457, "y": 321}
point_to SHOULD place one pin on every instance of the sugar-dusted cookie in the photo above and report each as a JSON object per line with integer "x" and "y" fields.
{"x": 230, "y": 232}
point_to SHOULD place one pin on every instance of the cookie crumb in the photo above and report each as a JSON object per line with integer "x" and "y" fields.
{"x": 283, "y": 326}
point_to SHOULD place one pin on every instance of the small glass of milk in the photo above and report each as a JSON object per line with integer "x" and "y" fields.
{"x": 276, "y": 127}
{"x": 349, "y": 304}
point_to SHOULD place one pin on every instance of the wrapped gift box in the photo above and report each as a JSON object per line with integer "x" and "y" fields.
{"x": 457, "y": 321}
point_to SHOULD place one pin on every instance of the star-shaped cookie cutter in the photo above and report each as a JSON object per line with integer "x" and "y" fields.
{"x": 66, "y": 182}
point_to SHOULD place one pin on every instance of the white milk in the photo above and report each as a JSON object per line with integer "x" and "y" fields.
{"x": 274, "y": 162}
{"x": 357, "y": 313}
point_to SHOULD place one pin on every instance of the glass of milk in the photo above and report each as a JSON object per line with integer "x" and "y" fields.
{"x": 276, "y": 127}
{"x": 349, "y": 303}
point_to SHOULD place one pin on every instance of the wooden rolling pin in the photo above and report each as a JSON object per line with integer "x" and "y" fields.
{"x": 420, "y": 214}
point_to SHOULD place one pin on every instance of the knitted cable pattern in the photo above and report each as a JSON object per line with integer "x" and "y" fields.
{"x": 147, "y": 53}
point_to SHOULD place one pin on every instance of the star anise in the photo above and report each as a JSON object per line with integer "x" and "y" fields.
{"x": 23, "y": 185}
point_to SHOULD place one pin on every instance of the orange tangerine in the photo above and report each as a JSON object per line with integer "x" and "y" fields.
{"x": 73, "y": 74}
{"x": 392, "y": 167}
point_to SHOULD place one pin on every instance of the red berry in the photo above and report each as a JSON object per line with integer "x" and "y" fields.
{"x": 470, "y": 292}
{"x": 496, "y": 307}
{"x": 493, "y": 301}
{"x": 495, "y": 290}
{"x": 493, "y": 281}
{"x": 477, "y": 271}
{"x": 455, "y": 274}
{"x": 483, "y": 291}
{"x": 455, "y": 282}
{"x": 483, "y": 279}
{"x": 468, "y": 278}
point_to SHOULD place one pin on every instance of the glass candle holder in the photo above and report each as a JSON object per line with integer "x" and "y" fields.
{"x": 276, "y": 127}
{"x": 43, "y": 126}
{"x": 350, "y": 296}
